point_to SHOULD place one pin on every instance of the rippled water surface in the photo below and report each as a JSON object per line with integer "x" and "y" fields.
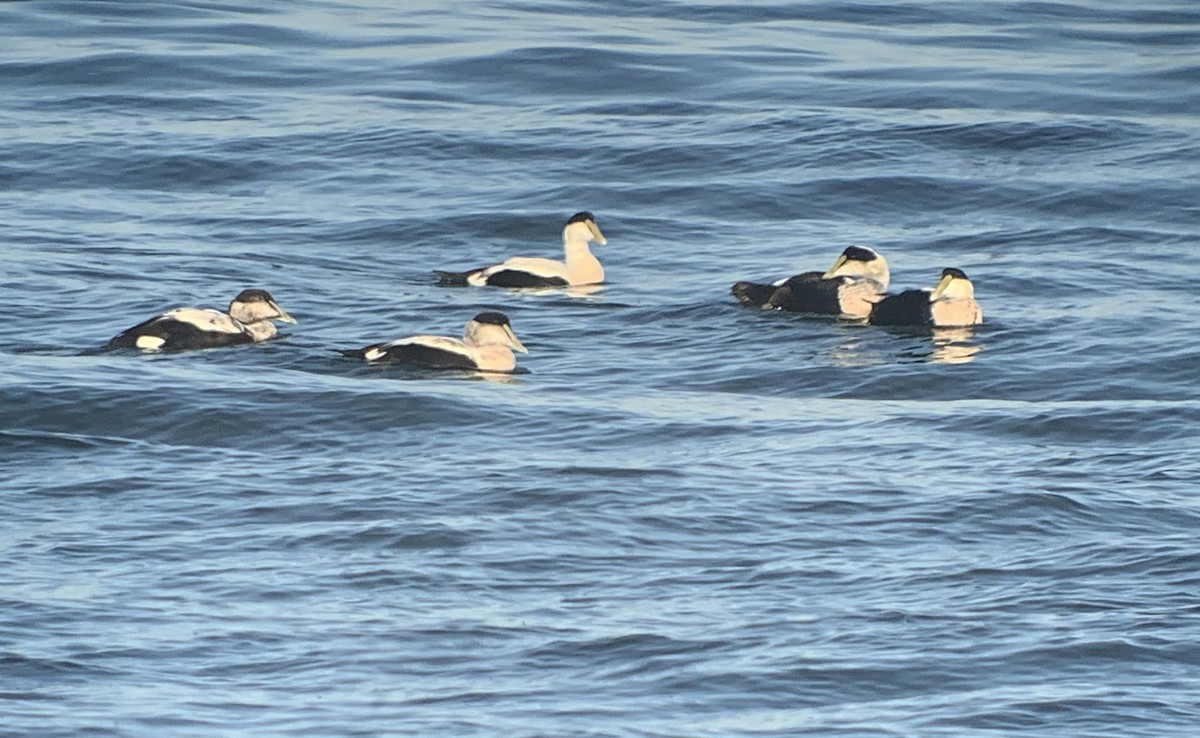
{"x": 684, "y": 517}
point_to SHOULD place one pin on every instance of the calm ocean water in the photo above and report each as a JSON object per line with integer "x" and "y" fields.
{"x": 687, "y": 518}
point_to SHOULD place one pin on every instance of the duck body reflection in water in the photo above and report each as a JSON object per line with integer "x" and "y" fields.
{"x": 953, "y": 345}
{"x": 905, "y": 345}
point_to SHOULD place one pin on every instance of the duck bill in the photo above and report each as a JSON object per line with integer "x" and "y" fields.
{"x": 515, "y": 342}
{"x": 282, "y": 314}
{"x": 597, "y": 236}
{"x": 836, "y": 266}
{"x": 940, "y": 290}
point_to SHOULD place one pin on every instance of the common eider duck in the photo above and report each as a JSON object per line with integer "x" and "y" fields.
{"x": 487, "y": 345}
{"x": 248, "y": 320}
{"x": 950, "y": 303}
{"x": 848, "y": 289}
{"x": 580, "y": 267}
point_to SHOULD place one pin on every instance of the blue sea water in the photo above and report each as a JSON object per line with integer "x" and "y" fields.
{"x": 684, "y": 518}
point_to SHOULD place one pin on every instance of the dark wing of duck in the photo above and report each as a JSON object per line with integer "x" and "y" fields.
{"x": 414, "y": 353}
{"x": 910, "y": 307}
{"x": 502, "y": 278}
{"x": 808, "y": 292}
{"x": 516, "y": 278}
{"x": 176, "y": 335}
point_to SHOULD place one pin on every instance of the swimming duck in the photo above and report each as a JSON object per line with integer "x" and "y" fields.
{"x": 848, "y": 289}
{"x": 950, "y": 303}
{"x": 487, "y": 344}
{"x": 248, "y": 320}
{"x": 580, "y": 267}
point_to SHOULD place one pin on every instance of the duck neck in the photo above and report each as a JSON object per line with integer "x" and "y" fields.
{"x": 582, "y": 266}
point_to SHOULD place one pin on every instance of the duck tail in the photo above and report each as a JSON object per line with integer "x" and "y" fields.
{"x": 119, "y": 342}
{"x": 453, "y": 279}
{"x": 753, "y": 295}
